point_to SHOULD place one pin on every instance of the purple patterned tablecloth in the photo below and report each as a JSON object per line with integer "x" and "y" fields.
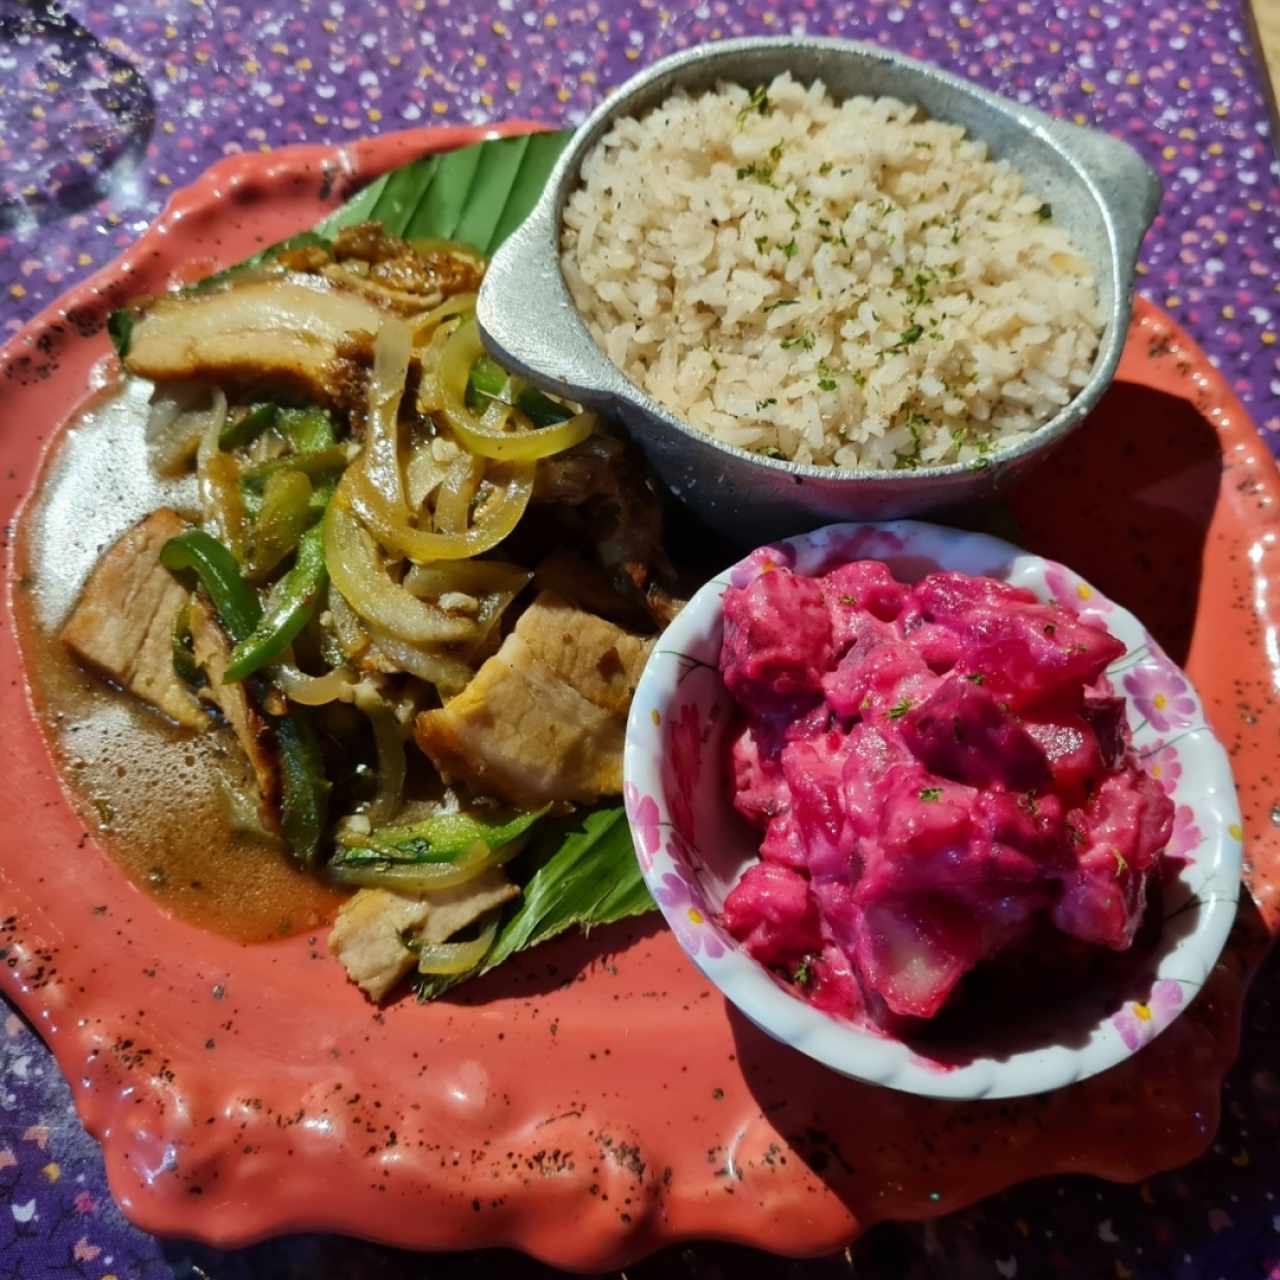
{"x": 106, "y": 108}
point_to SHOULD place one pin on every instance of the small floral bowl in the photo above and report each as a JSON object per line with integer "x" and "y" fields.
{"x": 693, "y": 847}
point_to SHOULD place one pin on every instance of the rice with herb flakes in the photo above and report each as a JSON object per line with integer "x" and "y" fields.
{"x": 849, "y": 284}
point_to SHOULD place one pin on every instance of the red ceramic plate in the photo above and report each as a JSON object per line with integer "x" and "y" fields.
{"x": 598, "y": 1099}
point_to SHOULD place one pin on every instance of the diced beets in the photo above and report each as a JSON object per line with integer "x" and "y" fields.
{"x": 1025, "y": 650}
{"x": 857, "y": 590}
{"x": 759, "y": 789}
{"x": 921, "y": 816}
{"x": 959, "y": 732}
{"x": 871, "y": 752}
{"x": 951, "y": 598}
{"x": 814, "y": 772}
{"x": 1031, "y": 653}
{"x": 783, "y": 842}
{"x": 942, "y": 777}
{"x": 876, "y": 673}
{"x": 812, "y": 724}
{"x": 770, "y": 911}
{"x": 912, "y": 952}
{"x": 1106, "y": 716}
{"x": 835, "y": 899}
{"x": 1069, "y": 744}
{"x": 832, "y": 985}
{"x": 935, "y": 836}
{"x": 1033, "y": 824}
{"x": 1156, "y": 825}
{"x": 940, "y": 647}
{"x": 777, "y": 641}
{"x": 1126, "y": 825}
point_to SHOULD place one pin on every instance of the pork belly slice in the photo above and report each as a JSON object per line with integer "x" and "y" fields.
{"x": 281, "y": 333}
{"x": 122, "y": 624}
{"x": 543, "y": 719}
{"x": 368, "y": 934}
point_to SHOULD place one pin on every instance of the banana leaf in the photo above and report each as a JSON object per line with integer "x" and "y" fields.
{"x": 477, "y": 195}
{"x": 585, "y": 874}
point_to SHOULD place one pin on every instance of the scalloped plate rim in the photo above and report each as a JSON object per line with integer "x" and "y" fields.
{"x": 584, "y": 1242}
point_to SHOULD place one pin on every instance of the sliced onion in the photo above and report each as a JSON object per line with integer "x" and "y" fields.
{"x": 424, "y": 877}
{"x": 449, "y": 674}
{"x": 491, "y": 611}
{"x": 462, "y": 350}
{"x": 381, "y": 457}
{"x": 314, "y": 691}
{"x": 357, "y": 572}
{"x": 422, "y": 476}
{"x": 456, "y": 957}
{"x": 453, "y": 502}
{"x": 460, "y": 304}
{"x": 172, "y": 436}
{"x": 430, "y": 397}
{"x": 388, "y": 738}
{"x": 472, "y": 577}
{"x": 492, "y": 522}
{"x": 353, "y": 640}
{"x": 218, "y": 475}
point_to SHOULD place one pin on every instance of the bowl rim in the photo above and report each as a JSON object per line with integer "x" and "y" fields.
{"x": 877, "y": 1058}
{"x": 530, "y": 259}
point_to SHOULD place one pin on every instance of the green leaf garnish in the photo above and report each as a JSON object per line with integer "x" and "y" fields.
{"x": 757, "y": 101}
{"x": 586, "y": 875}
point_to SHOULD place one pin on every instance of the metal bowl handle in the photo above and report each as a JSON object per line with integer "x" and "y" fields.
{"x": 1130, "y": 187}
{"x": 528, "y": 320}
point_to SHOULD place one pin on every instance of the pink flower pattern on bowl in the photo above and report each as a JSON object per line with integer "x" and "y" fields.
{"x": 1139, "y": 1022}
{"x": 642, "y": 814}
{"x": 693, "y": 847}
{"x": 1187, "y": 836}
{"x": 682, "y": 764}
{"x": 687, "y": 913}
{"x": 1162, "y": 695}
{"x": 1073, "y": 593}
{"x": 1165, "y": 767}
{"x": 762, "y": 560}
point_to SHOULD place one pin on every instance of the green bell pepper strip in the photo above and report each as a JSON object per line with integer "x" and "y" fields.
{"x": 281, "y": 521}
{"x": 249, "y": 426}
{"x": 291, "y": 606}
{"x": 304, "y": 789}
{"x": 317, "y": 462}
{"x": 444, "y": 837}
{"x": 304, "y": 798}
{"x": 488, "y": 381}
{"x": 235, "y": 600}
{"x": 309, "y": 430}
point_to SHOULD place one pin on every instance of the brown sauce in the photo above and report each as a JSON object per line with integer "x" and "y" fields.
{"x": 161, "y": 800}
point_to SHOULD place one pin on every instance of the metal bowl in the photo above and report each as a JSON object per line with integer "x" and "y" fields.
{"x": 1101, "y": 190}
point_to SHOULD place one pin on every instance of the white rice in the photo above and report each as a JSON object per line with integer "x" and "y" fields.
{"x": 850, "y": 284}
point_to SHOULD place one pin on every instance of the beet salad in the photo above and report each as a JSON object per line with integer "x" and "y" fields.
{"x": 940, "y": 773}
